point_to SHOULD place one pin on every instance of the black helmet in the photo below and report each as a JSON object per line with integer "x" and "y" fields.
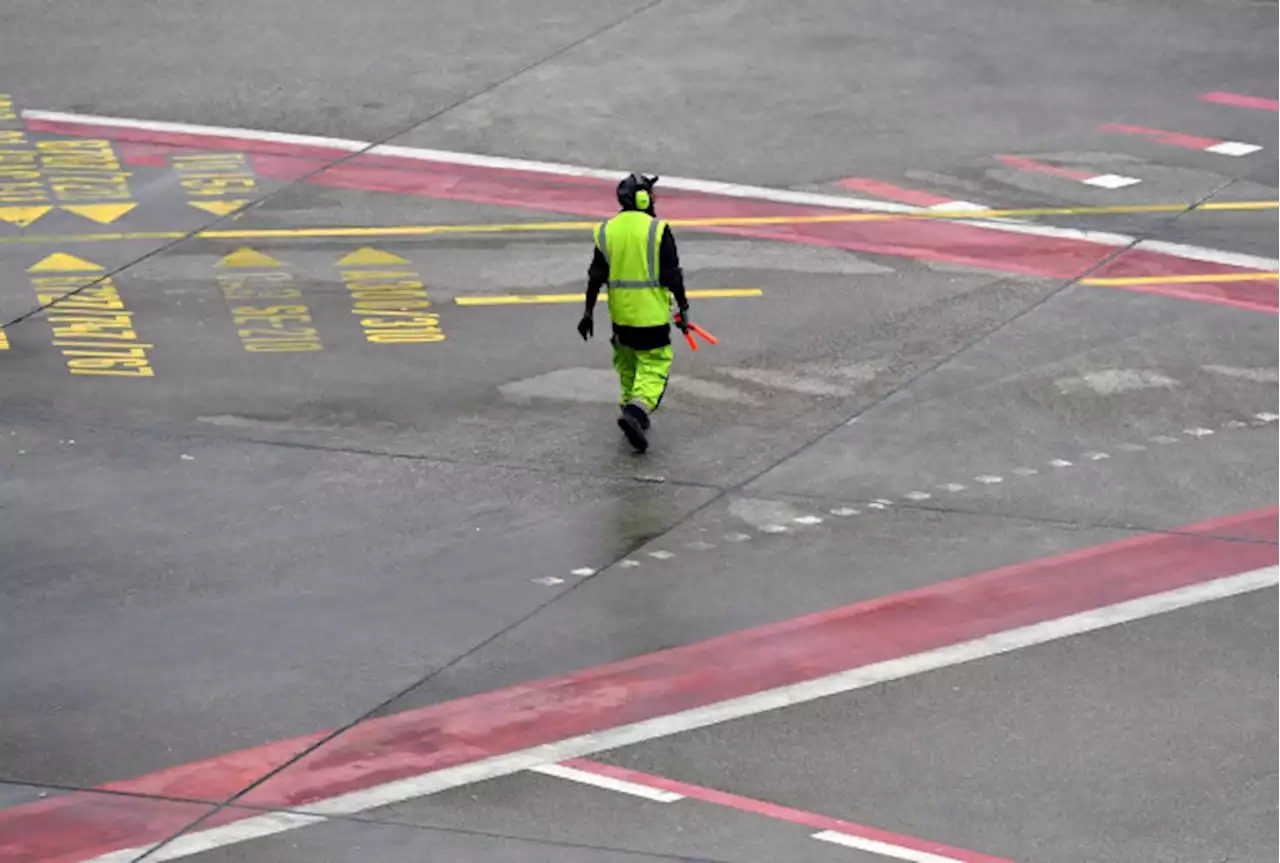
{"x": 636, "y": 193}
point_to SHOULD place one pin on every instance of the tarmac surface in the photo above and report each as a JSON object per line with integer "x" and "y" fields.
{"x": 290, "y": 576}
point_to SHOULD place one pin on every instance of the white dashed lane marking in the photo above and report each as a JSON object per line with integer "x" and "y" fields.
{"x": 1256, "y": 420}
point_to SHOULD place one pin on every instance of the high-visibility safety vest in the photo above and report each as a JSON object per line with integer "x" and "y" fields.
{"x": 629, "y": 242}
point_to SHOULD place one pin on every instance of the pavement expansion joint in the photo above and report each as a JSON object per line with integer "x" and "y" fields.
{"x": 919, "y": 497}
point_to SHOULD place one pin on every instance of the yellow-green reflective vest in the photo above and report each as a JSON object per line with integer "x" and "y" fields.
{"x": 629, "y": 242}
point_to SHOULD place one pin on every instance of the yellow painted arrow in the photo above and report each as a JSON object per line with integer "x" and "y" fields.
{"x": 103, "y": 214}
{"x": 368, "y": 257}
{"x": 218, "y": 208}
{"x": 61, "y": 262}
{"x": 22, "y": 216}
{"x": 246, "y": 257}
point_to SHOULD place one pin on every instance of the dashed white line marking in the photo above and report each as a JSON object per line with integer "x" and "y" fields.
{"x": 1163, "y": 439}
{"x": 988, "y": 479}
{"x": 1198, "y": 432}
{"x": 1233, "y": 148}
{"x": 917, "y": 495}
{"x": 1060, "y": 462}
{"x": 548, "y": 580}
{"x": 1236, "y": 424}
{"x": 844, "y": 511}
{"x": 953, "y": 487}
{"x": 737, "y": 537}
{"x": 628, "y": 563}
{"x": 1111, "y": 181}
{"x": 875, "y": 504}
{"x": 775, "y": 528}
{"x": 1096, "y": 456}
{"x": 1131, "y": 447}
{"x": 882, "y": 848}
{"x": 883, "y": 501}
{"x": 1267, "y": 417}
{"x": 635, "y": 789}
{"x": 582, "y": 571}
{"x": 1025, "y": 471}
{"x": 661, "y": 555}
{"x": 807, "y": 519}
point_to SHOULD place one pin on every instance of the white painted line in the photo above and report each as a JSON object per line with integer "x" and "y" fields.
{"x": 1060, "y": 462}
{"x": 1236, "y": 424}
{"x": 956, "y": 207}
{"x": 583, "y": 572}
{"x": 988, "y": 479}
{"x": 1209, "y": 256}
{"x": 884, "y": 849}
{"x": 917, "y": 495}
{"x": 1266, "y": 417}
{"x": 737, "y": 537}
{"x": 573, "y": 774}
{"x": 1025, "y": 471}
{"x": 1233, "y": 148}
{"x": 628, "y": 563}
{"x": 661, "y": 555}
{"x": 548, "y": 580}
{"x": 1131, "y": 447}
{"x": 760, "y": 702}
{"x": 1163, "y": 439}
{"x": 732, "y": 190}
{"x": 1198, "y": 432}
{"x": 199, "y": 841}
{"x": 1111, "y": 181}
{"x": 1096, "y": 456}
{"x": 953, "y": 487}
{"x": 844, "y": 511}
{"x": 807, "y": 519}
{"x": 775, "y": 528}
{"x": 883, "y": 501}
{"x": 875, "y": 504}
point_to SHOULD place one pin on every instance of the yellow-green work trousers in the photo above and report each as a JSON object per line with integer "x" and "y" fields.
{"x": 642, "y": 374}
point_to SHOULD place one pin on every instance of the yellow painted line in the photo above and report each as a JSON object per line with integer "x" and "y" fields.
{"x": 1197, "y": 277}
{"x": 409, "y": 231}
{"x": 532, "y": 299}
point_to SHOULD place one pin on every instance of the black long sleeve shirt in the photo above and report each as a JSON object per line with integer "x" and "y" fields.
{"x": 669, "y": 274}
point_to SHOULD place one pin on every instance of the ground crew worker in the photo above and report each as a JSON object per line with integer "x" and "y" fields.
{"x": 635, "y": 254}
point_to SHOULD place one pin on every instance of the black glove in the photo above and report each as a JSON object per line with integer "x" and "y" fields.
{"x": 586, "y": 327}
{"x": 682, "y": 319}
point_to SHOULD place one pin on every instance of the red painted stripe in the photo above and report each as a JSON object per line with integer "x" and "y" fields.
{"x": 890, "y": 192}
{"x": 1261, "y": 296}
{"x": 780, "y": 813}
{"x": 1020, "y": 163}
{"x": 653, "y": 685}
{"x": 1173, "y": 139}
{"x": 942, "y": 241}
{"x": 1237, "y": 100}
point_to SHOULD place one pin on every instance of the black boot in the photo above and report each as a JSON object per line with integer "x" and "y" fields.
{"x": 633, "y": 422}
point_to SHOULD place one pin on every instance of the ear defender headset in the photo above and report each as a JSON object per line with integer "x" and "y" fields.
{"x": 636, "y": 192}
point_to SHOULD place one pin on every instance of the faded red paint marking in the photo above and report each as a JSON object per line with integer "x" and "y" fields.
{"x": 517, "y": 718}
{"x": 1260, "y": 296}
{"x": 942, "y": 241}
{"x": 1238, "y": 100}
{"x": 1173, "y": 139}
{"x": 890, "y": 192}
{"x": 1020, "y": 163}
{"x": 780, "y": 813}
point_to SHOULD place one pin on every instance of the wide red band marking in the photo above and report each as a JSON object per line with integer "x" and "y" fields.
{"x": 941, "y": 241}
